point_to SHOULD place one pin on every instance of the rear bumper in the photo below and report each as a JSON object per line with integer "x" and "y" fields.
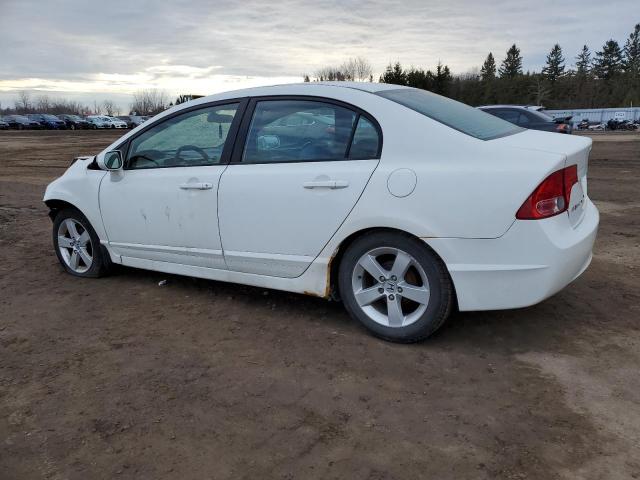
{"x": 532, "y": 261}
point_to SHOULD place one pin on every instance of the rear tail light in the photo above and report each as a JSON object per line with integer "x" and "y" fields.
{"x": 562, "y": 127}
{"x": 551, "y": 197}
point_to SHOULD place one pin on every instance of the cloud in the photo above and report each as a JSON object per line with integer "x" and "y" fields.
{"x": 203, "y": 46}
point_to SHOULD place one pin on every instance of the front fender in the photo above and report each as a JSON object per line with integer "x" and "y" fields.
{"x": 79, "y": 187}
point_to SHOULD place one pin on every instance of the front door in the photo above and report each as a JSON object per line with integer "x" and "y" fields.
{"x": 301, "y": 170}
{"x": 163, "y": 205}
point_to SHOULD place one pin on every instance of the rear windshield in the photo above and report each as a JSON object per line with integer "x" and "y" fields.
{"x": 543, "y": 115}
{"x": 459, "y": 116}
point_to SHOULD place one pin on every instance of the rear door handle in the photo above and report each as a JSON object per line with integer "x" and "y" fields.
{"x": 332, "y": 184}
{"x": 196, "y": 186}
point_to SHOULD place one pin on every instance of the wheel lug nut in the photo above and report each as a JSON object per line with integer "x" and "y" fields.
{"x": 399, "y": 289}
{"x": 381, "y": 290}
{"x": 391, "y": 297}
{"x": 382, "y": 279}
{"x": 394, "y": 278}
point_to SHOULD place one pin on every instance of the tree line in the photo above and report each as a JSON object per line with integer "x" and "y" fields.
{"x": 145, "y": 102}
{"x": 608, "y": 78}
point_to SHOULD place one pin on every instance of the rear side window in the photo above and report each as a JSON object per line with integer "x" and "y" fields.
{"x": 366, "y": 141}
{"x": 298, "y": 130}
{"x": 461, "y": 117}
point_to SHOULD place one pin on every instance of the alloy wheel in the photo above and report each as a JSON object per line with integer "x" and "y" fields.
{"x": 74, "y": 243}
{"x": 390, "y": 287}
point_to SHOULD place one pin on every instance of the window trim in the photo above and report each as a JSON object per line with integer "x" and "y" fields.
{"x": 241, "y": 137}
{"x": 228, "y": 144}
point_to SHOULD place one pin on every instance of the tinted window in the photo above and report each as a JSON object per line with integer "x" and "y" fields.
{"x": 512, "y": 116}
{"x": 190, "y": 139}
{"x": 538, "y": 116}
{"x": 298, "y": 130}
{"x": 461, "y": 117}
{"x": 366, "y": 141}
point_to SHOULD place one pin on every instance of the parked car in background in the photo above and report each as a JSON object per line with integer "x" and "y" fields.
{"x": 132, "y": 121}
{"x": 584, "y": 124}
{"x": 116, "y": 122}
{"x": 533, "y": 118}
{"x": 75, "y": 122}
{"x": 98, "y": 121}
{"x": 4, "y": 125}
{"x": 621, "y": 124}
{"x": 404, "y": 204}
{"x": 50, "y": 122}
{"x": 20, "y": 122}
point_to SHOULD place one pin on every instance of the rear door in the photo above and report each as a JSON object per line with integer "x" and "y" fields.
{"x": 291, "y": 184}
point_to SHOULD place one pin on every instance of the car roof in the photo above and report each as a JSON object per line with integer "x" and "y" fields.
{"x": 315, "y": 88}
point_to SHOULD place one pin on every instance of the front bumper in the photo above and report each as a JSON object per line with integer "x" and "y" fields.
{"x": 532, "y": 261}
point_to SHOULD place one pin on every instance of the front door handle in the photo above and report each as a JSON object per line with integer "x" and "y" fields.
{"x": 332, "y": 184}
{"x": 196, "y": 186}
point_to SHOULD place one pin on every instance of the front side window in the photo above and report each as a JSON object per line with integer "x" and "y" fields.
{"x": 190, "y": 139}
{"x": 298, "y": 130}
{"x": 457, "y": 115}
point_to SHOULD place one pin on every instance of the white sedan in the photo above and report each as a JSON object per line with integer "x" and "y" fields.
{"x": 402, "y": 203}
{"x": 115, "y": 122}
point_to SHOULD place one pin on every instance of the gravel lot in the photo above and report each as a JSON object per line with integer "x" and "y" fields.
{"x": 122, "y": 378}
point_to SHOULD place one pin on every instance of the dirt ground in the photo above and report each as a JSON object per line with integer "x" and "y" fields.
{"x": 122, "y": 378}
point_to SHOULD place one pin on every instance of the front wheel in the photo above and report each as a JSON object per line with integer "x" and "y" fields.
{"x": 77, "y": 245}
{"x": 395, "y": 286}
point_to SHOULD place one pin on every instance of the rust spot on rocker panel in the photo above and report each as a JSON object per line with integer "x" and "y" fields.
{"x": 327, "y": 288}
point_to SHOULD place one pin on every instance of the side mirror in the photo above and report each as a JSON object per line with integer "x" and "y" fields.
{"x": 111, "y": 160}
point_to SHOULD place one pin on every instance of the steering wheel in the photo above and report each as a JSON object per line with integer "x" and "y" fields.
{"x": 198, "y": 150}
{"x": 146, "y": 155}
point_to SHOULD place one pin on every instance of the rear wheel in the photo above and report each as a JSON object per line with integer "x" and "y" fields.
{"x": 77, "y": 245}
{"x": 395, "y": 286}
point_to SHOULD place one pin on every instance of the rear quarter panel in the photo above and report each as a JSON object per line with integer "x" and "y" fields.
{"x": 466, "y": 188}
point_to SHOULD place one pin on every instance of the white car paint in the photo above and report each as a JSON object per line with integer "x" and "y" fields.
{"x": 98, "y": 121}
{"x": 115, "y": 122}
{"x": 275, "y": 233}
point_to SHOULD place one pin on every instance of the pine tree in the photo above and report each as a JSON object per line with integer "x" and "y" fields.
{"x": 554, "y": 68}
{"x": 488, "y": 70}
{"x": 631, "y": 62}
{"x": 608, "y": 62}
{"x": 442, "y": 79}
{"x": 511, "y": 66}
{"x": 394, "y": 74}
{"x": 583, "y": 62}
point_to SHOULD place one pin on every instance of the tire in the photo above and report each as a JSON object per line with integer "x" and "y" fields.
{"x": 95, "y": 127}
{"x": 416, "y": 287}
{"x": 87, "y": 245}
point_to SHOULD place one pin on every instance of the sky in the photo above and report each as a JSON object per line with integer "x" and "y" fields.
{"x": 107, "y": 49}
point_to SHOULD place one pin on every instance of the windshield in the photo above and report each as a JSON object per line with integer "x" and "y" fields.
{"x": 53, "y": 118}
{"x": 456, "y": 115}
